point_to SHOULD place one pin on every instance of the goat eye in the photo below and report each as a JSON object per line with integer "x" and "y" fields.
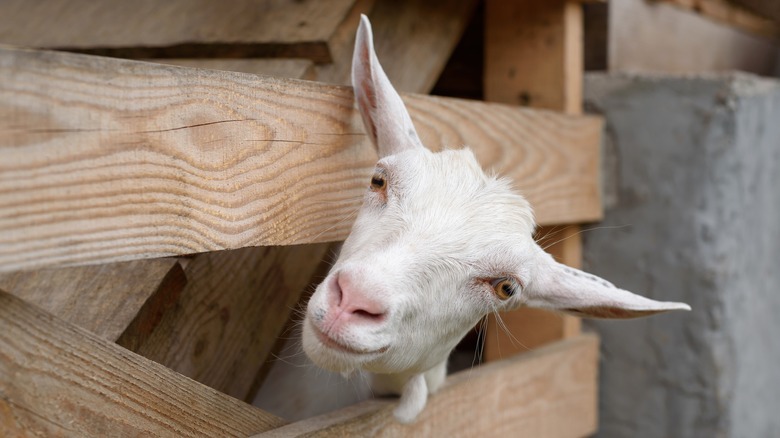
{"x": 378, "y": 182}
{"x": 504, "y": 287}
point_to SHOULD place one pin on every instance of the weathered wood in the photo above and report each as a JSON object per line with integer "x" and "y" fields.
{"x": 60, "y": 380}
{"x": 732, "y": 14}
{"x": 233, "y": 308}
{"x": 533, "y": 53}
{"x": 176, "y": 28}
{"x": 114, "y": 301}
{"x": 283, "y": 68}
{"x": 406, "y": 33}
{"x": 767, "y": 8}
{"x": 549, "y": 392}
{"x": 105, "y": 160}
{"x": 534, "y": 57}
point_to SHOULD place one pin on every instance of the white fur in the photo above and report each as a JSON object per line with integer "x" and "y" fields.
{"x": 413, "y": 277}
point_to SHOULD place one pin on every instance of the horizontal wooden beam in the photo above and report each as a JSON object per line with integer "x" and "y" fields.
{"x": 176, "y": 28}
{"x": 106, "y": 160}
{"x": 59, "y": 380}
{"x": 737, "y": 13}
{"x": 550, "y": 392}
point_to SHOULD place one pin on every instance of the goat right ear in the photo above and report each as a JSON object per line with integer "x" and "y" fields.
{"x": 559, "y": 287}
{"x": 383, "y": 112}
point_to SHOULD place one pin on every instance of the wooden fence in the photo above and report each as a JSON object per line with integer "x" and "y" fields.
{"x": 158, "y": 222}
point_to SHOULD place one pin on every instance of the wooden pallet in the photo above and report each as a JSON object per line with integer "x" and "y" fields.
{"x": 158, "y": 222}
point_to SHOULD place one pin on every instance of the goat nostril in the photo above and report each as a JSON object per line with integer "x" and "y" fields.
{"x": 368, "y": 315}
{"x": 337, "y": 293}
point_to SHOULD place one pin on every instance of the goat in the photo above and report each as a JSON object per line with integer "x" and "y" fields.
{"x": 437, "y": 244}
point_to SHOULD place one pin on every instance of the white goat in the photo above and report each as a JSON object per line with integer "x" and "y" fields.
{"x": 436, "y": 246}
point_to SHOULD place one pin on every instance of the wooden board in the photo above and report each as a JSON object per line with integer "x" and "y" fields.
{"x": 533, "y": 53}
{"x": 106, "y": 160}
{"x": 233, "y": 308}
{"x": 550, "y": 392}
{"x": 766, "y": 8}
{"x": 118, "y": 300}
{"x": 406, "y": 33}
{"x": 59, "y": 380}
{"x": 176, "y": 28}
{"x": 283, "y": 68}
{"x": 732, "y": 14}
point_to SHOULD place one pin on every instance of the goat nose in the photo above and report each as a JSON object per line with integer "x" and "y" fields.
{"x": 352, "y": 298}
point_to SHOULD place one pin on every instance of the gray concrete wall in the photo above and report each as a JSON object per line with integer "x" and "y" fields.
{"x": 693, "y": 168}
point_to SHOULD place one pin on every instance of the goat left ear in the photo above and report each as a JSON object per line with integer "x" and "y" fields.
{"x": 562, "y": 288}
{"x": 384, "y": 113}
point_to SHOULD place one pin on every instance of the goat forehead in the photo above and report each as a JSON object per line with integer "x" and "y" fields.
{"x": 449, "y": 210}
{"x": 449, "y": 189}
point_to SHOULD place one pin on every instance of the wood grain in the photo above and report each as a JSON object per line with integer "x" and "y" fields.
{"x": 283, "y": 68}
{"x": 230, "y": 314}
{"x": 113, "y": 300}
{"x": 59, "y": 380}
{"x": 550, "y": 392}
{"x": 176, "y": 28}
{"x": 533, "y": 53}
{"x": 406, "y": 33}
{"x": 107, "y": 160}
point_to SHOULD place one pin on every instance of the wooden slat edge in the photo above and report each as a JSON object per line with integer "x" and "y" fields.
{"x": 732, "y": 14}
{"x": 57, "y": 379}
{"x": 113, "y": 301}
{"x": 550, "y": 392}
{"x": 230, "y": 314}
{"x": 106, "y": 160}
{"x": 176, "y": 28}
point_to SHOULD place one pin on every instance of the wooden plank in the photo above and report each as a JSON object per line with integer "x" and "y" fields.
{"x": 60, "y": 380}
{"x": 550, "y": 392}
{"x": 766, "y": 8}
{"x": 732, "y": 14}
{"x": 233, "y": 308}
{"x": 533, "y": 54}
{"x": 114, "y": 301}
{"x": 106, "y": 160}
{"x": 283, "y": 68}
{"x": 176, "y": 28}
{"x": 218, "y": 330}
{"x": 534, "y": 57}
{"x": 406, "y": 33}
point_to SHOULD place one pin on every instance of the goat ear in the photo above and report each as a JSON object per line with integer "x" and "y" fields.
{"x": 562, "y": 288}
{"x": 383, "y": 112}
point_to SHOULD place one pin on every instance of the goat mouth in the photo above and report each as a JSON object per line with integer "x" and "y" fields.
{"x": 335, "y": 345}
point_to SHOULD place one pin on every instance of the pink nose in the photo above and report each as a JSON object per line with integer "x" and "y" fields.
{"x": 351, "y": 299}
